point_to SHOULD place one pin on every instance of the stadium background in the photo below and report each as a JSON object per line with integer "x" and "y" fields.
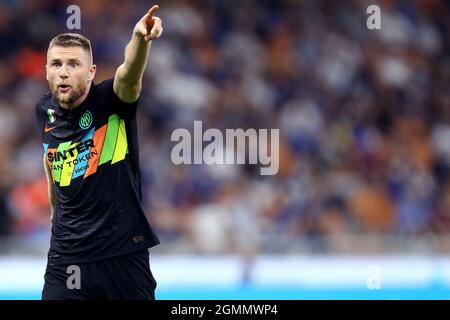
{"x": 364, "y": 119}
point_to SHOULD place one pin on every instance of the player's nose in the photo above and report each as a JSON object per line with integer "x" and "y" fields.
{"x": 63, "y": 72}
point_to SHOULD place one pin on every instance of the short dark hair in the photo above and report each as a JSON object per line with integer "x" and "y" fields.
{"x": 72, "y": 40}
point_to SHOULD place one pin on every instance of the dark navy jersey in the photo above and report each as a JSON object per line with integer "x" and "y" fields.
{"x": 92, "y": 152}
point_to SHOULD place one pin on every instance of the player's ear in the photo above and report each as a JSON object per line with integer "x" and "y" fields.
{"x": 46, "y": 72}
{"x": 92, "y": 71}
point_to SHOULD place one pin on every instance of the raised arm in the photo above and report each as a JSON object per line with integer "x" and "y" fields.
{"x": 128, "y": 78}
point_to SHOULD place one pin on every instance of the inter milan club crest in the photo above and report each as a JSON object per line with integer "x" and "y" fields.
{"x": 51, "y": 115}
{"x": 86, "y": 120}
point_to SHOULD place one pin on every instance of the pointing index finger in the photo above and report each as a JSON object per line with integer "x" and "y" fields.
{"x": 152, "y": 11}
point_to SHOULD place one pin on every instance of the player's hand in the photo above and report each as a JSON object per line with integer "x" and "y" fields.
{"x": 149, "y": 27}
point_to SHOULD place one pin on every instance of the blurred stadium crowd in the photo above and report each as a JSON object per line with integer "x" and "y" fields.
{"x": 364, "y": 119}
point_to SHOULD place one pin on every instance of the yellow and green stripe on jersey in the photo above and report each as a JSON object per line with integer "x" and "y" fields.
{"x": 97, "y": 147}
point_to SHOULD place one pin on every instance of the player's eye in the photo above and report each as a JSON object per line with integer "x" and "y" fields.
{"x": 73, "y": 64}
{"x": 56, "y": 64}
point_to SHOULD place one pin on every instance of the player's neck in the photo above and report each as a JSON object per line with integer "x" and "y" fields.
{"x": 80, "y": 100}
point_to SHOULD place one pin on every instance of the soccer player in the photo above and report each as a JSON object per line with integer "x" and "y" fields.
{"x": 100, "y": 235}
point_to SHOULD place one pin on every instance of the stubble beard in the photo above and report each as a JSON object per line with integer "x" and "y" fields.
{"x": 74, "y": 95}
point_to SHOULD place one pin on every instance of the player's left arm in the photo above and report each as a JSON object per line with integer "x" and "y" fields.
{"x": 128, "y": 79}
{"x": 51, "y": 189}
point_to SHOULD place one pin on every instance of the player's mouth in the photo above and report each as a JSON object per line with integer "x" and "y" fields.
{"x": 63, "y": 88}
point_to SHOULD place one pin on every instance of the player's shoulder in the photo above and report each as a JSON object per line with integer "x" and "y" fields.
{"x": 106, "y": 88}
{"x": 43, "y": 107}
{"x": 44, "y": 100}
{"x": 105, "y": 84}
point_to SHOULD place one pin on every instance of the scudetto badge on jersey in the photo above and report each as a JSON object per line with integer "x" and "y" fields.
{"x": 105, "y": 145}
{"x": 51, "y": 115}
{"x": 85, "y": 120}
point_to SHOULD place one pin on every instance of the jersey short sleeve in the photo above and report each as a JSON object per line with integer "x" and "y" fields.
{"x": 123, "y": 109}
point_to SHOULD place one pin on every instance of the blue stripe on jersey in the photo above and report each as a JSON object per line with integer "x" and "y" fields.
{"x": 81, "y": 166}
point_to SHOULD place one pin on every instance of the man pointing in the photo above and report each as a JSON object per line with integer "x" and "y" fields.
{"x": 100, "y": 234}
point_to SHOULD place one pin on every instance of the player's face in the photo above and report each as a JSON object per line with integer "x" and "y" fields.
{"x": 69, "y": 71}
